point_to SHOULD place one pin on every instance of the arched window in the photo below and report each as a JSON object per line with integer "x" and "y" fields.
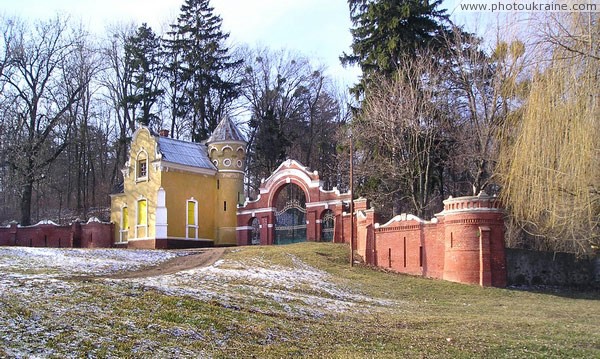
{"x": 141, "y": 166}
{"x": 327, "y": 226}
{"x": 141, "y": 228}
{"x": 123, "y": 233}
{"x": 254, "y": 232}
{"x": 191, "y": 223}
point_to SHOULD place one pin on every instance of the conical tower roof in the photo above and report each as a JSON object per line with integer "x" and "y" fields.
{"x": 226, "y": 131}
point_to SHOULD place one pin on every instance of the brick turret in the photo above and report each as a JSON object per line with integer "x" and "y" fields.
{"x": 474, "y": 240}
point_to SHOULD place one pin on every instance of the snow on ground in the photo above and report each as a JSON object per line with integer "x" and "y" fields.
{"x": 39, "y": 301}
{"x": 300, "y": 291}
{"x": 72, "y": 262}
{"x": 297, "y": 290}
{"x": 41, "y": 296}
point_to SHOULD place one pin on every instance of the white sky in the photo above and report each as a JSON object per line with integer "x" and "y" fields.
{"x": 318, "y": 29}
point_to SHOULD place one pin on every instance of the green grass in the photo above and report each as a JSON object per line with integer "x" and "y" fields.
{"x": 428, "y": 318}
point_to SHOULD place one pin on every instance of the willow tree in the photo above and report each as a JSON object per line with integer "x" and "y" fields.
{"x": 551, "y": 156}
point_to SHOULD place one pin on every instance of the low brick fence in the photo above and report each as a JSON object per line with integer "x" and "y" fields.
{"x": 464, "y": 243}
{"x": 93, "y": 234}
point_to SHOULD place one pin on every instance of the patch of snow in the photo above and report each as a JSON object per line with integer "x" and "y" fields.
{"x": 299, "y": 291}
{"x": 45, "y": 276}
{"x": 70, "y": 262}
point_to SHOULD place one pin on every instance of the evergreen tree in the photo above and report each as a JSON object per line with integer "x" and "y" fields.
{"x": 174, "y": 83}
{"x": 271, "y": 142}
{"x": 387, "y": 32}
{"x": 143, "y": 56}
{"x": 203, "y": 59}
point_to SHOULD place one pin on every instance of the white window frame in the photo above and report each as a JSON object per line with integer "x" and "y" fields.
{"x": 139, "y": 178}
{"x": 138, "y": 226}
{"x": 188, "y": 226}
{"x": 124, "y": 231}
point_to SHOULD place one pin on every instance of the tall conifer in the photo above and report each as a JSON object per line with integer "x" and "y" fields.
{"x": 202, "y": 58}
{"x": 386, "y": 32}
{"x": 142, "y": 54}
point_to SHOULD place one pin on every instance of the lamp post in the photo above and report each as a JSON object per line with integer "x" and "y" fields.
{"x": 351, "y": 202}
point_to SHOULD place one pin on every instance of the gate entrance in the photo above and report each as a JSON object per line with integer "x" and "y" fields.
{"x": 327, "y": 226}
{"x": 290, "y": 215}
{"x": 292, "y": 206}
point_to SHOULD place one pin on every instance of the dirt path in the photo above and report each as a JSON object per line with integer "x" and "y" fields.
{"x": 204, "y": 258}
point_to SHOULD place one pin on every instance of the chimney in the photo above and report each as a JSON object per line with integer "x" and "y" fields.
{"x": 163, "y": 133}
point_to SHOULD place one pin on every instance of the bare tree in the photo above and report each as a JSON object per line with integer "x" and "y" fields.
{"x": 117, "y": 78}
{"x": 294, "y": 113}
{"x": 481, "y": 94}
{"x": 41, "y": 88}
{"x": 399, "y": 135}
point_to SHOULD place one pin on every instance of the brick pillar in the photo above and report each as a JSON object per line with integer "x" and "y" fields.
{"x": 311, "y": 225}
{"x": 485, "y": 257}
{"x": 75, "y": 240}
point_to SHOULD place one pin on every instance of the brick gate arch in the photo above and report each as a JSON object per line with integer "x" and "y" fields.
{"x": 318, "y": 201}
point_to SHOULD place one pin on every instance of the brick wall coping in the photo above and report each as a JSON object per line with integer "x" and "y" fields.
{"x": 480, "y": 203}
{"x": 47, "y": 222}
{"x": 404, "y": 217}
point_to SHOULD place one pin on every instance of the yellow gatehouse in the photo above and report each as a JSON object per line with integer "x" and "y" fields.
{"x": 179, "y": 194}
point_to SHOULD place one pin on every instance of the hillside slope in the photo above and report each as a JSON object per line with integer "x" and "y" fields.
{"x": 300, "y": 300}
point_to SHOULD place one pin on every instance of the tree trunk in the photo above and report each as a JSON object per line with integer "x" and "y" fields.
{"x": 26, "y": 195}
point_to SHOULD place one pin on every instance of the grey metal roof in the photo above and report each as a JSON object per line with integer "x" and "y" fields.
{"x": 226, "y": 130}
{"x": 184, "y": 153}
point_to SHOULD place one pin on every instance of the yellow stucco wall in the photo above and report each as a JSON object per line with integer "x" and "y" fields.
{"x": 117, "y": 201}
{"x": 229, "y": 157}
{"x": 136, "y": 188}
{"x": 180, "y": 187}
{"x": 231, "y": 189}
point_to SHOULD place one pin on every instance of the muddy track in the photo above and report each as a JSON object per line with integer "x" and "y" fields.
{"x": 199, "y": 258}
{"x": 204, "y": 258}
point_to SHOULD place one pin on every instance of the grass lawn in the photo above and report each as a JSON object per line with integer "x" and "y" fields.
{"x": 301, "y": 300}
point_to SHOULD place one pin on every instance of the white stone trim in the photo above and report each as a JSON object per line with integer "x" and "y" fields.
{"x": 160, "y": 224}
{"x": 404, "y": 217}
{"x": 259, "y": 210}
{"x": 326, "y": 204}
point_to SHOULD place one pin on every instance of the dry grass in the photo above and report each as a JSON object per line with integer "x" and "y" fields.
{"x": 403, "y": 317}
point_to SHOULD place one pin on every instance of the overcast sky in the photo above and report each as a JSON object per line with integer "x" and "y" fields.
{"x": 315, "y": 28}
{"x": 318, "y": 29}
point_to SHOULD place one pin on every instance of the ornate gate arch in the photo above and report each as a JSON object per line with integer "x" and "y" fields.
{"x": 290, "y": 214}
{"x": 291, "y": 207}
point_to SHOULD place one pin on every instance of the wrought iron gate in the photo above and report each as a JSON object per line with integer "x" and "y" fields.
{"x": 254, "y": 232}
{"x": 290, "y": 218}
{"x": 290, "y": 224}
{"x": 327, "y": 226}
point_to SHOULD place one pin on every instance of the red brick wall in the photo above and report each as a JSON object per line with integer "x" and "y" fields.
{"x": 465, "y": 243}
{"x": 88, "y": 235}
{"x": 97, "y": 235}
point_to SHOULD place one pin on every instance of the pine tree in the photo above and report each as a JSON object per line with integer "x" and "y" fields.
{"x": 142, "y": 54}
{"x": 387, "y": 32}
{"x": 198, "y": 40}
